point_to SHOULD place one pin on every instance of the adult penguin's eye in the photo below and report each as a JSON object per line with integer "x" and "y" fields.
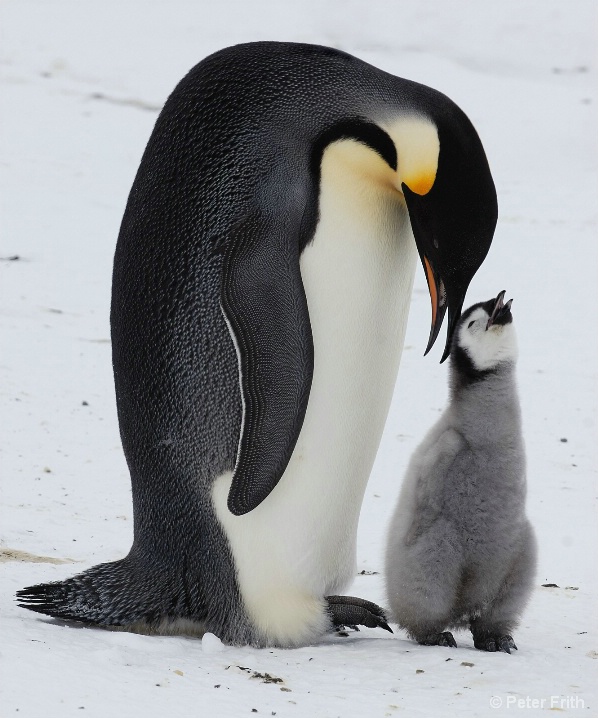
{"x": 471, "y": 324}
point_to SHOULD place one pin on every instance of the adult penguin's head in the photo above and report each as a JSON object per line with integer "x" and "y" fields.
{"x": 453, "y": 212}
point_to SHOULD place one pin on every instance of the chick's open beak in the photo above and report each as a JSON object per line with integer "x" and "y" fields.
{"x": 501, "y": 313}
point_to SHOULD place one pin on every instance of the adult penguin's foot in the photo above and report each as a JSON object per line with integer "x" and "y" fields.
{"x": 353, "y": 612}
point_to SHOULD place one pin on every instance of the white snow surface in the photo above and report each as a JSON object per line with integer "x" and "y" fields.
{"x": 82, "y": 83}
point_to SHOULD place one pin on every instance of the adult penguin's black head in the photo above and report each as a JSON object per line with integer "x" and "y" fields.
{"x": 453, "y": 216}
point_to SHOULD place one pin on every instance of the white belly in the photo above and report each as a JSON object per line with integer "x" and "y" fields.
{"x": 299, "y": 544}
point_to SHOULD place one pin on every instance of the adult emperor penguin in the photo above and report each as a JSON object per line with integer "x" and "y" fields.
{"x": 261, "y": 286}
{"x": 461, "y": 551}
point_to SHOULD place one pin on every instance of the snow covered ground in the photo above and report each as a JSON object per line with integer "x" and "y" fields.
{"x": 82, "y": 83}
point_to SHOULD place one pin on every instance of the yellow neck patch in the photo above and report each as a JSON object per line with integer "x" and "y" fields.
{"x": 416, "y": 140}
{"x": 420, "y": 184}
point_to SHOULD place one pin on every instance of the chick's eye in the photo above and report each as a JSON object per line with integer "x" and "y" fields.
{"x": 471, "y": 324}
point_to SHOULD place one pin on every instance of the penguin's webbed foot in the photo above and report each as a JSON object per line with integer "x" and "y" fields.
{"x": 351, "y": 612}
{"x": 494, "y": 643}
{"x": 445, "y": 638}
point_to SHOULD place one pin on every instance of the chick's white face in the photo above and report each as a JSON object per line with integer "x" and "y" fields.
{"x": 487, "y": 346}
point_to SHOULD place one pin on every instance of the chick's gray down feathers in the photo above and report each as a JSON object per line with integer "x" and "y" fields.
{"x": 461, "y": 551}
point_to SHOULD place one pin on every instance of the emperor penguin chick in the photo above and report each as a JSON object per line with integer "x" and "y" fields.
{"x": 461, "y": 551}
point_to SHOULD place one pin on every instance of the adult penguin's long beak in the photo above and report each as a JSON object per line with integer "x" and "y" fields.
{"x": 441, "y": 301}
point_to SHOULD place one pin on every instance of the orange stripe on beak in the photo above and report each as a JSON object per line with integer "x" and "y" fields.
{"x": 432, "y": 289}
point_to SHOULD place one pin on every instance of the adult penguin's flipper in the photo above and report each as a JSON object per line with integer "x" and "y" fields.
{"x": 264, "y": 303}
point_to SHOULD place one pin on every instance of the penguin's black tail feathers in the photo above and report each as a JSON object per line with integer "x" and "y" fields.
{"x": 110, "y": 594}
{"x": 53, "y": 599}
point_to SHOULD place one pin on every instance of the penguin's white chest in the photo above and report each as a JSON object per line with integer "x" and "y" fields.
{"x": 299, "y": 544}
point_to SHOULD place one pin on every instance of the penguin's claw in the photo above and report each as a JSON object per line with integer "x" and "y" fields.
{"x": 341, "y": 630}
{"x": 494, "y": 644}
{"x": 445, "y": 638}
{"x": 351, "y": 612}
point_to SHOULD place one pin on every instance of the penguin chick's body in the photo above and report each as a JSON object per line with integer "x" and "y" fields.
{"x": 461, "y": 551}
{"x": 261, "y": 286}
